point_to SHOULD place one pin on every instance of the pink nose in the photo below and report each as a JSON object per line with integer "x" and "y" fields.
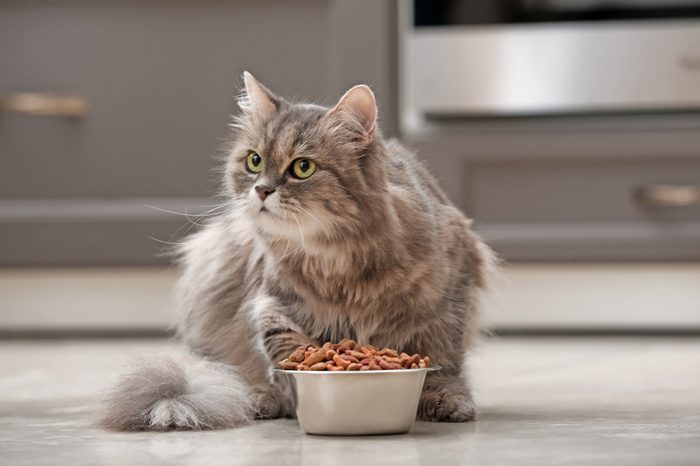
{"x": 263, "y": 191}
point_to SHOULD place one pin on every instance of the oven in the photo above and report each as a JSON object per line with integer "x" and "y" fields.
{"x": 552, "y": 57}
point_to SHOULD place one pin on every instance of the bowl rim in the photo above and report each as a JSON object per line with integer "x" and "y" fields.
{"x": 383, "y": 371}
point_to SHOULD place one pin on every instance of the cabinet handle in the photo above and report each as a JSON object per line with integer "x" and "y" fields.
{"x": 666, "y": 195}
{"x": 45, "y": 104}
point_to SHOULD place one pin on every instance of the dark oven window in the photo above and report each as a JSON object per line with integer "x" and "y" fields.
{"x": 467, "y": 12}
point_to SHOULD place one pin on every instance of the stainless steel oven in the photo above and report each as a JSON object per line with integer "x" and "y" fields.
{"x": 540, "y": 57}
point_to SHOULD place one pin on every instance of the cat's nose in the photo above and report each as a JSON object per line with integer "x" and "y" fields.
{"x": 263, "y": 191}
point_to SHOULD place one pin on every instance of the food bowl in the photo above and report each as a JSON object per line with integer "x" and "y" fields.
{"x": 358, "y": 402}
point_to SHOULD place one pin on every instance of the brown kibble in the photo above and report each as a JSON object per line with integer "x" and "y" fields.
{"x": 383, "y": 364}
{"x": 319, "y": 366}
{"x": 412, "y": 360}
{"x": 368, "y": 351}
{"x": 298, "y": 356}
{"x": 388, "y": 365}
{"x": 351, "y": 356}
{"x": 348, "y": 343}
{"x": 340, "y": 362}
{"x": 288, "y": 365}
{"x": 316, "y": 357}
{"x": 357, "y": 354}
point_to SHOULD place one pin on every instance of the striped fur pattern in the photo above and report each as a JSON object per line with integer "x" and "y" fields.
{"x": 368, "y": 247}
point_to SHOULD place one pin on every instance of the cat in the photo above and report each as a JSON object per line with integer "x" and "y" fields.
{"x": 330, "y": 231}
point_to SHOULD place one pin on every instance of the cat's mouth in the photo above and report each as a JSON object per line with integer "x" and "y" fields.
{"x": 268, "y": 212}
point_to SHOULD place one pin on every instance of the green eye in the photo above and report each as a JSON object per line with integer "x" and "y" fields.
{"x": 254, "y": 162}
{"x": 303, "y": 168}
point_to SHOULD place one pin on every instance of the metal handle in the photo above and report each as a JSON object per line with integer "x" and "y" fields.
{"x": 45, "y": 104}
{"x": 665, "y": 195}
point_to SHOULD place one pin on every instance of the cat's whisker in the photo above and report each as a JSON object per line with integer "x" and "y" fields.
{"x": 301, "y": 232}
{"x": 234, "y": 213}
{"x": 188, "y": 225}
{"x": 191, "y": 223}
{"x": 186, "y": 214}
{"x": 169, "y": 243}
{"x": 284, "y": 254}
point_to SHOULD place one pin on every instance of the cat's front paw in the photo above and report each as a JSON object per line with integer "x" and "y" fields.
{"x": 268, "y": 406}
{"x": 446, "y": 407}
{"x": 274, "y": 402}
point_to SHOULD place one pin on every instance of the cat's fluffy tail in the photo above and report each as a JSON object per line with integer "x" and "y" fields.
{"x": 178, "y": 392}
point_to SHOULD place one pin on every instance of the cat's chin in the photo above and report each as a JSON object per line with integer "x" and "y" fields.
{"x": 274, "y": 225}
{"x": 270, "y": 214}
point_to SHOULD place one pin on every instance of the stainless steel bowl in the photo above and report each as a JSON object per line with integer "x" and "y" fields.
{"x": 358, "y": 402}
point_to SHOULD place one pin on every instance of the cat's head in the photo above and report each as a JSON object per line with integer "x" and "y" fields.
{"x": 301, "y": 171}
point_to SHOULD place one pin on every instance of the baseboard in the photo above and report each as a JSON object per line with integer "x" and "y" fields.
{"x": 86, "y": 299}
{"x": 523, "y": 297}
{"x": 637, "y": 297}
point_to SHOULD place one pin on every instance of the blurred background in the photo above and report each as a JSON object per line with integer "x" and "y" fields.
{"x": 568, "y": 129}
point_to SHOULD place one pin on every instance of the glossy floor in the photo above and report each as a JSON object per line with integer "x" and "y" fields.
{"x": 615, "y": 401}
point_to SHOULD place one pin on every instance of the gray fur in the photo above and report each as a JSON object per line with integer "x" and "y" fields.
{"x": 178, "y": 392}
{"x": 368, "y": 247}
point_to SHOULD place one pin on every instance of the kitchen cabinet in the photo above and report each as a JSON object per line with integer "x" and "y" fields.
{"x": 155, "y": 83}
{"x": 593, "y": 188}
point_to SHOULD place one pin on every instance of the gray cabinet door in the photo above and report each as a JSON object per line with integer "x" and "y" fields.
{"x": 599, "y": 188}
{"x": 160, "y": 79}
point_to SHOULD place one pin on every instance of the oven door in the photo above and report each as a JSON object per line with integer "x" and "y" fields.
{"x": 553, "y": 57}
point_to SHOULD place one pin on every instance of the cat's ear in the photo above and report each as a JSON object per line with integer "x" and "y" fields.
{"x": 359, "y": 107}
{"x": 257, "y": 99}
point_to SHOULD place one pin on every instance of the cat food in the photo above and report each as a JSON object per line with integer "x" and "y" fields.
{"x": 348, "y": 355}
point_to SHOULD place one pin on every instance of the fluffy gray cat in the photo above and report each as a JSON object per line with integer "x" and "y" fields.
{"x": 331, "y": 232}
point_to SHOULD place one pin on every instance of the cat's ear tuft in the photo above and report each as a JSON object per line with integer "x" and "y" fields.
{"x": 359, "y": 105}
{"x": 257, "y": 99}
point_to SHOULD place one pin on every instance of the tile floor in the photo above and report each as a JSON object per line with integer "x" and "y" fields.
{"x": 602, "y": 401}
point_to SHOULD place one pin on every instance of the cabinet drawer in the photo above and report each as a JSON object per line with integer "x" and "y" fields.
{"x": 604, "y": 210}
{"x": 606, "y": 191}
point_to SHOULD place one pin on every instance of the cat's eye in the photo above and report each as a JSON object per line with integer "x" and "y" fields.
{"x": 254, "y": 162}
{"x": 303, "y": 168}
